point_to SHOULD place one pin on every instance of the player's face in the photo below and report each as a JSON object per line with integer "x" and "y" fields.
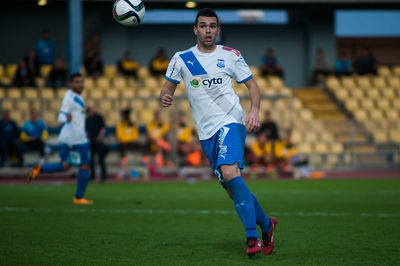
{"x": 77, "y": 85}
{"x": 206, "y": 30}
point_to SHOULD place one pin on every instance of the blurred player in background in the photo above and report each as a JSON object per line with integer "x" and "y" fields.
{"x": 74, "y": 146}
{"x": 207, "y": 70}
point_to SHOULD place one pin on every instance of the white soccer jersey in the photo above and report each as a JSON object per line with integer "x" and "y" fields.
{"x": 73, "y": 133}
{"x": 208, "y": 81}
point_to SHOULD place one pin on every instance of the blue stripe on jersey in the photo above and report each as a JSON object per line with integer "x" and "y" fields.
{"x": 172, "y": 80}
{"x": 246, "y": 79}
{"x": 79, "y": 101}
{"x": 192, "y": 64}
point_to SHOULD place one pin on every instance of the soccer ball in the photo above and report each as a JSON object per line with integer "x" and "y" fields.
{"x": 129, "y": 12}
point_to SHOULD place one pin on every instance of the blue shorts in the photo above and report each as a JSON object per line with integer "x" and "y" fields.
{"x": 75, "y": 155}
{"x": 226, "y": 147}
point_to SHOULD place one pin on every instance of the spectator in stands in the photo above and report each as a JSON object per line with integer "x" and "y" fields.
{"x": 92, "y": 60}
{"x": 159, "y": 64}
{"x": 366, "y": 63}
{"x": 96, "y": 130}
{"x": 343, "y": 65}
{"x": 58, "y": 75}
{"x": 322, "y": 67}
{"x": 127, "y": 135}
{"x": 128, "y": 67}
{"x": 45, "y": 49}
{"x": 269, "y": 127}
{"x": 270, "y": 65}
{"x": 157, "y": 137}
{"x": 23, "y": 77}
{"x": 184, "y": 137}
{"x": 32, "y": 63}
{"x": 33, "y": 135}
{"x": 258, "y": 155}
{"x": 9, "y": 138}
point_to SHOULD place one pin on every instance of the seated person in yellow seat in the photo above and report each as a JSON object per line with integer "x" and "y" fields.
{"x": 128, "y": 67}
{"x": 159, "y": 63}
{"x": 127, "y": 134}
{"x": 157, "y": 137}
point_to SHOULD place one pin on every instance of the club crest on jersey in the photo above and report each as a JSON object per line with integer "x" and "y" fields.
{"x": 196, "y": 82}
{"x": 220, "y": 63}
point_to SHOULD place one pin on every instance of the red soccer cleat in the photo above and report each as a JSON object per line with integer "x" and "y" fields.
{"x": 268, "y": 238}
{"x": 253, "y": 246}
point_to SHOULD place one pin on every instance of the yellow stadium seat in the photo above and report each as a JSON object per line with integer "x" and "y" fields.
{"x": 360, "y": 115}
{"x": 388, "y": 93}
{"x": 143, "y": 73}
{"x": 89, "y": 83}
{"x": 151, "y": 83}
{"x": 384, "y": 71}
{"x": 120, "y": 83}
{"x": 112, "y": 118}
{"x": 10, "y": 70}
{"x": 321, "y": 147}
{"x": 304, "y": 147}
{"x": 47, "y": 93}
{"x": 2, "y": 72}
{"x": 326, "y": 136}
{"x": 367, "y": 104}
{"x": 145, "y": 116}
{"x": 376, "y": 114}
{"x": 50, "y": 118}
{"x": 31, "y": 93}
{"x": 255, "y": 71}
{"x": 380, "y": 136}
{"x": 394, "y": 82}
{"x": 395, "y": 103}
{"x": 363, "y": 82}
{"x": 110, "y": 71}
{"x": 7, "y": 104}
{"x": 336, "y": 147}
{"x": 137, "y": 104}
{"x": 296, "y": 137}
{"x": 341, "y": 94}
{"x": 262, "y": 83}
{"x": 306, "y": 115}
{"x": 103, "y": 83}
{"x": 95, "y": 94}
{"x": 392, "y": 114}
{"x": 348, "y": 82}
{"x": 297, "y": 104}
{"x": 357, "y": 93}
{"x": 14, "y": 93}
{"x": 383, "y": 104}
{"x": 332, "y": 83}
{"x": 23, "y": 105}
{"x": 105, "y": 106}
{"x": 332, "y": 159}
{"x": 153, "y": 104}
{"x": 379, "y": 82}
{"x": 352, "y": 104}
{"x": 396, "y": 71}
{"x": 394, "y": 135}
{"x": 112, "y": 94}
{"x": 18, "y": 116}
{"x": 45, "y": 70}
{"x": 2, "y": 93}
{"x": 144, "y": 92}
{"x": 127, "y": 93}
{"x": 184, "y": 105}
{"x": 275, "y": 82}
{"x": 310, "y": 136}
{"x": 372, "y": 93}
{"x": 61, "y": 92}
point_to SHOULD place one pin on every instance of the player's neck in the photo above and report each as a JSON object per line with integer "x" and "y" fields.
{"x": 205, "y": 49}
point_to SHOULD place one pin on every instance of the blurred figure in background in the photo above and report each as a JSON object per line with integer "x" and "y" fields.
{"x": 45, "y": 49}
{"x": 127, "y": 135}
{"x": 33, "y": 134}
{"x": 32, "y": 63}
{"x": 96, "y": 130}
{"x": 269, "y": 127}
{"x": 343, "y": 65}
{"x": 322, "y": 67}
{"x": 58, "y": 75}
{"x": 92, "y": 60}
{"x": 366, "y": 63}
{"x": 157, "y": 137}
{"x": 128, "y": 67}
{"x": 270, "y": 65}
{"x": 23, "y": 77}
{"x": 159, "y": 63}
{"x": 9, "y": 137}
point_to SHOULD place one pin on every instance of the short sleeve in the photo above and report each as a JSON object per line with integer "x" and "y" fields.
{"x": 66, "y": 105}
{"x": 174, "y": 70}
{"x": 241, "y": 71}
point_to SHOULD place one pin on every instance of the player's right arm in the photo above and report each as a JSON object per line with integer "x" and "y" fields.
{"x": 65, "y": 111}
{"x": 167, "y": 92}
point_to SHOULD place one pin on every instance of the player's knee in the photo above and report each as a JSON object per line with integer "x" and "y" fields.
{"x": 229, "y": 172}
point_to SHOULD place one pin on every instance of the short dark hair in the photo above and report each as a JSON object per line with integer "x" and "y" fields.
{"x": 206, "y": 12}
{"x": 77, "y": 74}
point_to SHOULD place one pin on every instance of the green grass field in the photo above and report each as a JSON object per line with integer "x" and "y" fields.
{"x": 321, "y": 222}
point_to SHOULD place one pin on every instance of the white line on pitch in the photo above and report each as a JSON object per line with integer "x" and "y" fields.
{"x": 187, "y": 212}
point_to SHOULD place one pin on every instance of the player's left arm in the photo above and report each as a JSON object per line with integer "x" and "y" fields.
{"x": 253, "y": 118}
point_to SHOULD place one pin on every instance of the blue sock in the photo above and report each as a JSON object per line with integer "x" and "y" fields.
{"x": 262, "y": 219}
{"x": 52, "y": 168}
{"x": 243, "y": 201}
{"x": 83, "y": 179}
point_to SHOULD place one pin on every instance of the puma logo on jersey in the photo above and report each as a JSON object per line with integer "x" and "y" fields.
{"x": 190, "y": 62}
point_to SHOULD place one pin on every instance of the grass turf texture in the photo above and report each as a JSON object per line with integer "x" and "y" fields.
{"x": 321, "y": 222}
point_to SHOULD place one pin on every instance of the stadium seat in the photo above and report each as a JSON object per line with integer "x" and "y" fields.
{"x": 389, "y": 93}
{"x": 367, "y": 104}
{"x": 304, "y": 148}
{"x": 394, "y": 82}
{"x": 357, "y": 93}
{"x": 89, "y": 83}
{"x": 376, "y": 114}
{"x": 336, "y": 147}
{"x": 384, "y": 71}
{"x": 380, "y": 136}
{"x": 379, "y": 82}
{"x": 2, "y": 72}
{"x": 396, "y": 71}
{"x": 47, "y": 93}
{"x": 392, "y": 114}
{"x": 151, "y": 83}
{"x": 326, "y": 136}
{"x": 112, "y": 118}
{"x": 255, "y": 71}
{"x": 31, "y": 93}
{"x": 296, "y": 136}
{"x": 110, "y": 71}
{"x": 352, "y": 104}
{"x": 152, "y": 104}
{"x": 112, "y": 94}
{"x": 143, "y": 73}
{"x": 275, "y": 82}
{"x": 95, "y": 94}
{"x": 372, "y": 93}
{"x": 306, "y": 115}
{"x": 321, "y": 147}
{"x": 105, "y": 106}
{"x": 360, "y": 115}
{"x": 363, "y": 82}
{"x": 310, "y": 136}
{"x": 53, "y": 105}
{"x": 341, "y": 94}
{"x": 103, "y": 83}
{"x": 144, "y": 92}
{"x": 40, "y": 82}
{"x": 2, "y": 93}
{"x": 18, "y": 116}
{"x": 332, "y": 160}
{"x": 395, "y": 103}
{"x": 10, "y": 70}
{"x": 24, "y": 105}
{"x": 184, "y": 105}
{"x": 383, "y": 104}
{"x": 137, "y": 104}
{"x": 145, "y": 116}
{"x": 332, "y": 83}
{"x": 120, "y": 83}
{"x": 61, "y": 93}
{"x": 394, "y": 135}
{"x": 14, "y": 93}
{"x": 45, "y": 70}
{"x": 127, "y": 93}
{"x": 7, "y": 104}
{"x": 348, "y": 82}
{"x": 50, "y": 118}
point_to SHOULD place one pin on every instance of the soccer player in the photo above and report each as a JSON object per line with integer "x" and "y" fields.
{"x": 74, "y": 146}
{"x": 207, "y": 70}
